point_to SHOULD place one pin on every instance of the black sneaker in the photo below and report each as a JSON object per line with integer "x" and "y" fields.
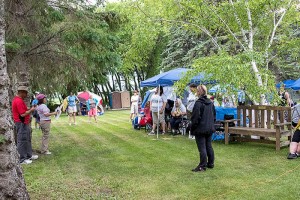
{"x": 199, "y": 169}
{"x": 211, "y": 166}
{"x": 292, "y": 156}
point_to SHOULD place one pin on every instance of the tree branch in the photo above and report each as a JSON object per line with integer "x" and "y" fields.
{"x": 239, "y": 22}
{"x": 275, "y": 26}
{"x": 183, "y": 22}
{"x": 250, "y": 24}
{"x": 228, "y": 28}
{"x": 43, "y": 42}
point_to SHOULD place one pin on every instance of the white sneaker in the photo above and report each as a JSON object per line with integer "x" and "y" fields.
{"x": 47, "y": 153}
{"x": 34, "y": 157}
{"x": 70, "y": 124}
{"x": 27, "y": 161}
{"x": 151, "y": 133}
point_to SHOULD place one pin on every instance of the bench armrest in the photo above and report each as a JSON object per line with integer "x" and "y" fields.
{"x": 282, "y": 124}
{"x": 230, "y": 120}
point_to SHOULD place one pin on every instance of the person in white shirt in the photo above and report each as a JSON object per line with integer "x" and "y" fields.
{"x": 134, "y": 105}
{"x": 158, "y": 103}
{"x": 191, "y": 99}
{"x": 45, "y": 121}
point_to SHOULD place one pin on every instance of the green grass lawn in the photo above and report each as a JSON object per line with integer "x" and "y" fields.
{"x": 111, "y": 160}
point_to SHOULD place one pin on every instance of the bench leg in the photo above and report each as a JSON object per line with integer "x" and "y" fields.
{"x": 226, "y": 134}
{"x": 277, "y": 139}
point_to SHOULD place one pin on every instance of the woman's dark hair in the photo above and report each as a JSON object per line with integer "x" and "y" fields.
{"x": 41, "y": 101}
{"x": 161, "y": 90}
{"x": 193, "y": 85}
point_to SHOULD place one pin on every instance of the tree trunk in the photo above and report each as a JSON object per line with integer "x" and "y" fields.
{"x": 18, "y": 71}
{"x": 12, "y": 184}
{"x": 259, "y": 81}
{"x": 118, "y": 79}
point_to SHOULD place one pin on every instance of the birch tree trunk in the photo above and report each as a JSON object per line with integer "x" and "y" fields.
{"x": 12, "y": 184}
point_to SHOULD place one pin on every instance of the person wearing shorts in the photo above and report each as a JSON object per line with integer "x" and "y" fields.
{"x": 134, "y": 105}
{"x": 72, "y": 108}
{"x": 91, "y": 105}
{"x": 158, "y": 103}
{"x": 294, "y": 146}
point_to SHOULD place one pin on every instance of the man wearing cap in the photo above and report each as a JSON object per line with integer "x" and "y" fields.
{"x": 21, "y": 116}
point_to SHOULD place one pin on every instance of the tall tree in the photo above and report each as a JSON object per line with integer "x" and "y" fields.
{"x": 66, "y": 42}
{"x": 12, "y": 184}
{"x": 245, "y": 35}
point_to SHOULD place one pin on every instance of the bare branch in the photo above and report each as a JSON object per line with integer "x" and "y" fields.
{"x": 276, "y": 24}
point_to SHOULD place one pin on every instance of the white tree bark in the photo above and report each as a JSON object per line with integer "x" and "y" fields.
{"x": 253, "y": 62}
{"x": 12, "y": 185}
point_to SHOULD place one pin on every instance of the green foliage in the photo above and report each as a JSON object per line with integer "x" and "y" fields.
{"x": 232, "y": 73}
{"x": 12, "y": 46}
{"x": 223, "y": 51}
{"x": 2, "y": 139}
{"x": 69, "y": 45}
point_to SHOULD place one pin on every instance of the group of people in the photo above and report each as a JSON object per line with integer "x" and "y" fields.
{"x": 41, "y": 113}
{"x": 155, "y": 111}
{"x": 71, "y": 108}
{"x": 201, "y": 112}
{"x": 22, "y": 118}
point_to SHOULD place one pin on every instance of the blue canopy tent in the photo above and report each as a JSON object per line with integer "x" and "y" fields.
{"x": 296, "y": 85}
{"x": 170, "y": 77}
{"x": 288, "y": 83}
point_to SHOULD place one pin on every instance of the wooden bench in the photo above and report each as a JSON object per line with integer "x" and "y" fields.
{"x": 265, "y": 121}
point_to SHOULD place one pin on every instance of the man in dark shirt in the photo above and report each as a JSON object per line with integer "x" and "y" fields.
{"x": 21, "y": 116}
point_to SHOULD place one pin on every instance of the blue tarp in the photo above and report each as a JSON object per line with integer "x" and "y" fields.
{"x": 296, "y": 85}
{"x": 170, "y": 77}
{"x": 216, "y": 88}
{"x": 146, "y": 98}
{"x": 221, "y": 111}
{"x": 288, "y": 83}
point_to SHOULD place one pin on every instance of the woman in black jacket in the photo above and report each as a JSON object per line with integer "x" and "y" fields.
{"x": 203, "y": 117}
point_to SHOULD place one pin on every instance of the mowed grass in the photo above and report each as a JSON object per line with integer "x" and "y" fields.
{"x": 111, "y": 160}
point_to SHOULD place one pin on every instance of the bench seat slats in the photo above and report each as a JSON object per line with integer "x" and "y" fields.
{"x": 265, "y": 121}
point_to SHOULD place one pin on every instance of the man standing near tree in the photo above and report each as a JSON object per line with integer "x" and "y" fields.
{"x": 21, "y": 116}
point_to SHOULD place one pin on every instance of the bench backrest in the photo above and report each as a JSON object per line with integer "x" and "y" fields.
{"x": 262, "y": 116}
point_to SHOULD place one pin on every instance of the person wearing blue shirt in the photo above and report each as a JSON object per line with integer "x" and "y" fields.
{"x": 241, "y": 97}
{"x": 35, "y": 113}
{"x": 72, "y": 107}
